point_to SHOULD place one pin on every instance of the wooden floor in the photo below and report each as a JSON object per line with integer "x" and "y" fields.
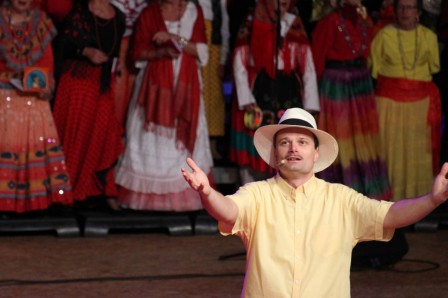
{"x": 153, "y": 263}
{"x": 83, "y": 253}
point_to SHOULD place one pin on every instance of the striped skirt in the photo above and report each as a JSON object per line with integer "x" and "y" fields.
{"x": 348, "y": 112}
{"x": 33, "y": 173}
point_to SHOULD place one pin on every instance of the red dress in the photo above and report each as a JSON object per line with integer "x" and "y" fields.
{"x": 84, "y": 110}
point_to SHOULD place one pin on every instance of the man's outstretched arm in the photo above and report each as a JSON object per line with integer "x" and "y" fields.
{"x": 221, "y": 208}
{"x": 409, "y": 211}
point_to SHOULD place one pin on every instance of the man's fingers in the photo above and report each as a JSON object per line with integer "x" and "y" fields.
{"x": 190, "y": 179}
{"x": 444, "y": 170}
{"x": 192, "y": 164}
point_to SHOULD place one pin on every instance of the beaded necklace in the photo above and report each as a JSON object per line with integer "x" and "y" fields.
{"x": 416, "y": 52}
{"x": 343, "y": 28}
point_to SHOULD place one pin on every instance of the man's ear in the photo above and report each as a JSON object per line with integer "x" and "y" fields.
{"x": 316, "y": 154}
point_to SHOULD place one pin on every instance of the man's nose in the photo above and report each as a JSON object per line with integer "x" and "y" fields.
{"x": 293, "y": 147}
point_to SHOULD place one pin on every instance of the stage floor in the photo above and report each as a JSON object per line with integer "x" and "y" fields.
{"x": 156, "y": 264}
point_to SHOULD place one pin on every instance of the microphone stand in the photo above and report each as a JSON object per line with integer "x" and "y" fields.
{"x": 278, "y": 36}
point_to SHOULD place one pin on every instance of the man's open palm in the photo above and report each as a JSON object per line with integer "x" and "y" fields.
{"x": 197, "y": 179}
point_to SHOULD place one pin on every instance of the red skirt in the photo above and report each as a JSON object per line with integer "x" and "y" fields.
{"x": 89, "y": 131}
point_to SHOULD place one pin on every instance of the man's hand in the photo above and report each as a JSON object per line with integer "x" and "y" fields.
{"x": 221, "y": 208}
{"x": 197, "y": 179}
{"x": 440, "y": 186}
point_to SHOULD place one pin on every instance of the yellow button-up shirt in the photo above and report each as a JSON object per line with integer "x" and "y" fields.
{"x": 299, "y": 240}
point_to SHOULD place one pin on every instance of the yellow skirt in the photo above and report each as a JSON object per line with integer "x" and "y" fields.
{"x": 212, "y": 90}
{"x": 406, "y": 145}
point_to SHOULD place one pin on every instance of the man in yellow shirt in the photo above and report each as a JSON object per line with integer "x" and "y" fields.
{"x": 298, "y": 230}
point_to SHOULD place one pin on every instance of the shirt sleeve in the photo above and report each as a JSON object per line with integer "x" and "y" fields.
{"x": 246, "y": 201}
{"x": 193, "y": 28}
{"x": 322, "y": 41}
{"x": 241, "y": 75}
{"x": 367, "y": 216}
{"x": 433, "y": 47}
{"x": 374, "y": 60}
{"x": 311, "y": 94}
{"x": 203, "y": 55}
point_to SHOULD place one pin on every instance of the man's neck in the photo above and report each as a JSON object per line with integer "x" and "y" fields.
{"x": 296, "y": 181}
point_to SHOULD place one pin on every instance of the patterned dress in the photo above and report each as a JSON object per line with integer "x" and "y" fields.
{"x": 32, "y": 164}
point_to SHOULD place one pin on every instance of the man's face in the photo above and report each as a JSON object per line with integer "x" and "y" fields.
{"x": 295, "y": 146}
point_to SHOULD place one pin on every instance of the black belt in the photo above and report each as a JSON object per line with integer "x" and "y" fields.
{"x": 355, "y": 63}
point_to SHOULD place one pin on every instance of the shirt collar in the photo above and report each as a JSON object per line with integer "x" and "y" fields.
{"x": 305, "y": 188}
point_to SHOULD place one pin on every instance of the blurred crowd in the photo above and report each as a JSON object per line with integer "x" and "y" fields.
{"x": 128, "y": 89}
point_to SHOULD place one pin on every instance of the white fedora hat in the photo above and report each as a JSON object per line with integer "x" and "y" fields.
{"x": 295, "y": 117}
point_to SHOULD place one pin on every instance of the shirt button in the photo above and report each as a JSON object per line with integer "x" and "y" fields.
{"x": 296, "y": 281}
{"x": 298, "y": 232}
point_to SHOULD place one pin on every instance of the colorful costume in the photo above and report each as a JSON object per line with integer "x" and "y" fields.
{"x": 166, "y": 119}
{"x": 32, "y": 166}
{"x": 348, "y": 111}
{"x": 84, "y": 110}
{"x": 408, "y": 104}
{"x": 274, "y": 84}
